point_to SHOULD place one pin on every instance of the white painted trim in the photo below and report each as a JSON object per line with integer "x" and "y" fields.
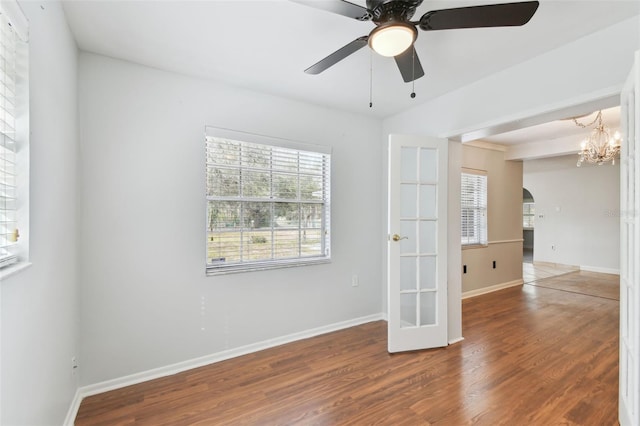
{"x": 70, "y": 419}
{"x": 454, "y": 341}
{"x": 600, "y": 269}
{"x": 555, "y": 265}
{"x": 179, "y": 367}
{"x": 599, "y": 99}
{"x": 487, "y": 145}
{"x": 491, "y": 289}
{"x": 518, "y": 240}
{"x": 9, "y": 271}
{"x": 385, "y": 316}
{"x": 624, "y": 418}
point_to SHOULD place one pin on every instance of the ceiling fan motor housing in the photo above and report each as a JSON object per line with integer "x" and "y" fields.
{"x": 384, "y": 11}
{"x": 395, "y": 33}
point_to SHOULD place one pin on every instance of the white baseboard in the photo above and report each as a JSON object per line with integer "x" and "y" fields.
{"x": 601, "y": 270}
{"x": 453, "y": 341}
{"x": 554, "y": 264}
{"x": 491, "y": 289}
{"x": 179, "y": 367}
{"x": 624, "y": 416}
{"x": 70, "y": 419}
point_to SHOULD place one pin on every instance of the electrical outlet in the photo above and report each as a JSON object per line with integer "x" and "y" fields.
{"x": 355, "y": 281}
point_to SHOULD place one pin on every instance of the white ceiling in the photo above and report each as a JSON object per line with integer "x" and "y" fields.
{"x": 265, "y": 45}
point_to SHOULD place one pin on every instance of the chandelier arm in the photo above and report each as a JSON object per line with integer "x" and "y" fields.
{"x": 584, "y": 126}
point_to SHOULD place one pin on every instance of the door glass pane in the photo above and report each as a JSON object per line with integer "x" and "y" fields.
{"x": 428, "y": 272}
{"x": 428, "y": 165}
{"x": 428, "y": 308}
{"x": 408, "y": 230}
{"x": 428, "y": 201}
{"x": 408, "y": 164}
{"x": 428, "y": 236}
{"x": 408, "y": 276}
{"x": 408, "y": 310}
{"x": 408, "y": 200}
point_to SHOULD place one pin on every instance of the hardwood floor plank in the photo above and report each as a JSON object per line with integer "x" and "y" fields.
{"x": 532, "y": 355}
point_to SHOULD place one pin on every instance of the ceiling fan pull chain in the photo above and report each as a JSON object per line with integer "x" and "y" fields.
{"x": 413, "y": 73}
{"x": 371, "y": 79}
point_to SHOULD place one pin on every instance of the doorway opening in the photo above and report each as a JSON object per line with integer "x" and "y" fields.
{"x": 528, "y": 222}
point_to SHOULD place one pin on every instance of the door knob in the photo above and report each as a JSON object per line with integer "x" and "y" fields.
{"x": 397, "y": 237}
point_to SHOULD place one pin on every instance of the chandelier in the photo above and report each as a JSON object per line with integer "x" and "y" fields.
{"x": 599, "y": 147}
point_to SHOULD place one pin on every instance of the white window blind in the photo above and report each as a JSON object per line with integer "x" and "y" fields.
{"x": 9, "y": 42}
{"x": 267, "y": 206}
{"x": 473, "y": 208}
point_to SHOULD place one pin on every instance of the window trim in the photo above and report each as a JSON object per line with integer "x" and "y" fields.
{"x": 267, "y": 264}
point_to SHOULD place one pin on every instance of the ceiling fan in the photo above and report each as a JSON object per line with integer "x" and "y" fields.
{"x": 395, "y": 33}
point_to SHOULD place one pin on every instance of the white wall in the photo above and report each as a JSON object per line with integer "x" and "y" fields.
{"x": 143, "y": 221}
{"x": 40, "y": 304}
{"x": 581, "y": 208}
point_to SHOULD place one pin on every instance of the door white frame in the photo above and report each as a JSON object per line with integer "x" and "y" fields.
{"x": 629, "y": 364}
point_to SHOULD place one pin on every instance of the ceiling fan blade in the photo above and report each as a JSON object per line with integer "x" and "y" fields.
{"x": 338, "y": 55}
{"x": 340, "y": 7}
{"x": 409, "y": 65}
{"x": 491, "y": 15}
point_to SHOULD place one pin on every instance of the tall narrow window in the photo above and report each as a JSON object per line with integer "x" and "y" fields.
{"x": 473, "y": 207}
{"x": 268, "y": 203}
{"x": 528, "y": 215}
{"x": 13, "y": 126}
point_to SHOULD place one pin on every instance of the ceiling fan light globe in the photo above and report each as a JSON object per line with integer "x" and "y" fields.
{"x": 392, "y": 40}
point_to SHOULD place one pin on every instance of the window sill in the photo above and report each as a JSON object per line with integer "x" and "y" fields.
{"x": 14, "y": 269}
{"x": 264, "y": 266}
{"x": 474, "y": 246}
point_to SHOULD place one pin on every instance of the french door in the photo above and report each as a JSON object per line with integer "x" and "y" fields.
{"x": 629, "y": 393}
{"x": 417, "y": 247}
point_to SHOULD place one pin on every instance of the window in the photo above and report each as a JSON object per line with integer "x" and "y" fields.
{"x": 473, "y": 207}
{"x": 528, "y": 215}
{"x": 13, "y": 129}
{"x": 268, "y": 203}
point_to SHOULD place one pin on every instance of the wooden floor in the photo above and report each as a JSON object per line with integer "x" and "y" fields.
{"x": 591, "y": 283}
{"x": 532, "y": 355}
{"x": 532, "y": 272}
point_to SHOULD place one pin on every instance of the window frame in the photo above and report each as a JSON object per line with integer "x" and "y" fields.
{"x": 275, "y": 146}
{"x": 478, "y": 207}
{"x": 531, "y": 214}
{"x": 14, "y": 110}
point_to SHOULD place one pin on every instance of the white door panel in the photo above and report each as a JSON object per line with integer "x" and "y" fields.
{"x": 629, "y": 393}
{"x": 417, "y": 248}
